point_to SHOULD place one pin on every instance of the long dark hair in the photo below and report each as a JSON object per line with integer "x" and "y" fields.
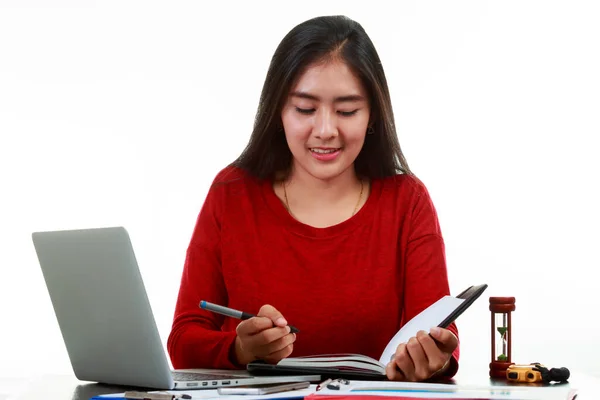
{"x": 267, "y": 152}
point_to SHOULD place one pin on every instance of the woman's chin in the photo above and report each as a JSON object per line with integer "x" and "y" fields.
{"x": 330, "y": 171}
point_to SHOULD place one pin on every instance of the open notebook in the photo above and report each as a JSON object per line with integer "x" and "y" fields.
{"x": 356, "y": 366}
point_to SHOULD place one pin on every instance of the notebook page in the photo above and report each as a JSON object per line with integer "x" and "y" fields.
{"x": 427, "y": 319}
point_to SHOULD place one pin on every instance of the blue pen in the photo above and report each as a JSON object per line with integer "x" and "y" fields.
{"x": 230, "y": 312}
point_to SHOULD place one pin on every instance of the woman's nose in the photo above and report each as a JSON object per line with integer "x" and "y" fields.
{"x": 325, "y": 125}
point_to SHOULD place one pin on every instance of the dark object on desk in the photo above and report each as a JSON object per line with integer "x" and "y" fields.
{"x": 536, "y": 372}
{"x": 336, "y": 384}
{"x": 561, "y": 374}
{"x": 361, "y": 367}
{"x": 501, "y": 309}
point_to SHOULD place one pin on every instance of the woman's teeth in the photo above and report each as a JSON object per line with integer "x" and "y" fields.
{"x": 324, "y": 151}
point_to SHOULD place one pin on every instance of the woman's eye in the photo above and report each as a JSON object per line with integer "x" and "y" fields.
{"x": 308, "y": 111}
{"x": 305, "y": 110}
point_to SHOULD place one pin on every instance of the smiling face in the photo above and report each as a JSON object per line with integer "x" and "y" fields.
{"x": 325, "y": 119}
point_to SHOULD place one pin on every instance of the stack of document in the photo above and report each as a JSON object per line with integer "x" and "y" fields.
{"x": 208, "y": 394}
{"x": 369, "y": 390}
{"x": 341, "y": 389}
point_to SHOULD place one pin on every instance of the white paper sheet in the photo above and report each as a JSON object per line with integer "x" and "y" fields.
{"x": 205, "y": 394}
{"x": 430, "y": 317}
{"x": 449, "y": 391}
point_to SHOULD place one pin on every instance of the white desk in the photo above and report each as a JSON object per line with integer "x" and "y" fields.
{"x": 67, "y": 387}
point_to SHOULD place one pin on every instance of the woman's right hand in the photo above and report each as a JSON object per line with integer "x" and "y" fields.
{"x": 264, "y": 337}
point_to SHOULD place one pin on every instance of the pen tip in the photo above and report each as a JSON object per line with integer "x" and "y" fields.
{"x": 202, "y": 303}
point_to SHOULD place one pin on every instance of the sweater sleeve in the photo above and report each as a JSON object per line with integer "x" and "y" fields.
{"x": 425, "y": 275}
{"x": 196, "y": 339}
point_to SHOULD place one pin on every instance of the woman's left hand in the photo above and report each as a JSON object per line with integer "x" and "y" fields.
{"x": 422, "y": 357}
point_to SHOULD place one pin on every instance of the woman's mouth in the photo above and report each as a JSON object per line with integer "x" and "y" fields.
{"x": 325, "y": 153}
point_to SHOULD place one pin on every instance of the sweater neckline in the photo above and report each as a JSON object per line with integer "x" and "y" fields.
{"x": 280, "y": 212}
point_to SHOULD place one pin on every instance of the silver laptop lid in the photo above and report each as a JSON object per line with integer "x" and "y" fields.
{"x": 102, "y": 307}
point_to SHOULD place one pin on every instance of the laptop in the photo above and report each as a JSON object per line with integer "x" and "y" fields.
{"x": 105, "y": 318}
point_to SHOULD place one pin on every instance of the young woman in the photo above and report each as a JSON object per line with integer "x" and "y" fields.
{"x": 319, "y": 222}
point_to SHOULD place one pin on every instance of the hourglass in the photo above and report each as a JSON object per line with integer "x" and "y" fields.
{"x": 501, "y": 308}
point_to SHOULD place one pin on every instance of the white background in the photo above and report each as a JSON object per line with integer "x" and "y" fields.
{"x": 121, "y": 113}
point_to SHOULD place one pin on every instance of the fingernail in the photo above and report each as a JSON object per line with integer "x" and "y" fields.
{"x": 281, "y": 321}
{"x": 288, "y": 329}
{"x": 435, "y": 331}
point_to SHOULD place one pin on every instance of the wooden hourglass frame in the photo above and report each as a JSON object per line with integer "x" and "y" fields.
{"x": 501, "y": 309}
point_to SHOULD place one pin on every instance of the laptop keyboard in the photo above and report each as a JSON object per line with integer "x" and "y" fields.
{"x": 195, "y": 376}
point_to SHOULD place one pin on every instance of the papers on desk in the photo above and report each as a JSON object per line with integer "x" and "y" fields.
{"x": 362, "y": 390}
{"x": 205, "y": 394}
{"x": 371, "y": 390}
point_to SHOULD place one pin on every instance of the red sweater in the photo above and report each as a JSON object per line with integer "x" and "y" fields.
{"x": 348, "y": 288}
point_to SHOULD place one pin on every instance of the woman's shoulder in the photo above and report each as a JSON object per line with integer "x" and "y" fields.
{"x": 231, "y": 174}
{"x": 404, "y": 184}
{"x": 407, "y": 194}
{"x": 232, "y": 178}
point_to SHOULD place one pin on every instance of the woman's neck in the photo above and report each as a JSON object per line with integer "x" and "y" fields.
{"x": 319, "y": 202}
{"x": 309, "y": 188}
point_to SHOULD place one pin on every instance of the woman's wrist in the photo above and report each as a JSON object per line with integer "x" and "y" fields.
{"x": 241, "y": 356}
{"x": 440, "y": 372}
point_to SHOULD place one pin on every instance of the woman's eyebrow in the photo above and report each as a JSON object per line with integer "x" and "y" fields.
{"x": 339, "y": 99}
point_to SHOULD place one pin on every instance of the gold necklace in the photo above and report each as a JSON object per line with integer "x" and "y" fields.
{"x": 287, "y": 205}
